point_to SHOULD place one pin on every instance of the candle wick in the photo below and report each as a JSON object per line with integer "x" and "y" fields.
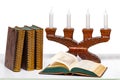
{"x": 51, "y": 11}
{"x": 88, "y": 11}
{"x": 69, "y": 12}
{"x": 105, "y": 12}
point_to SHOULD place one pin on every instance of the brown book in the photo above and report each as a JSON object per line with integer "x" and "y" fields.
{"x": 14, "y": 48}
{"x": 38, "y": 47}
{"x": 66, "y": 63}
{"x": 29, "y": 50}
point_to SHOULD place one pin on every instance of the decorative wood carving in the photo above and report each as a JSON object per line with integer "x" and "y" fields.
{"x": 79, "y": 48}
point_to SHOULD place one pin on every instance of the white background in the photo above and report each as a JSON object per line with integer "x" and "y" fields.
{"x": 28, "y": 12}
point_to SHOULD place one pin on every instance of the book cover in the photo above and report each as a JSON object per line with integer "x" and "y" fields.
{"x": 14, "y": 48}
{"x": 38, "y": 47}
{"x": 28, "y": 50}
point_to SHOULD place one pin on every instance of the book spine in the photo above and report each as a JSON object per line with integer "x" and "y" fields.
{"x": 39, "y": 48}
{"x": 31, "y": 49}
{"x": 19, "y": 50}
{"x": 25, "y": 51}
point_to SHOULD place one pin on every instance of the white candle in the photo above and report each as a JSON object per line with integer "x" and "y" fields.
{"x": 105, "y": 20}
{"x": 68, "y": 19}
{"x": 87, "y": 19}
{"x": 51, "y": 19}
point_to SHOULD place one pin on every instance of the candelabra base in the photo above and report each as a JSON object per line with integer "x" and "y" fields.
{"x": 83, "y": 53}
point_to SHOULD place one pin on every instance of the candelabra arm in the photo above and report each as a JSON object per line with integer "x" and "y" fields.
{"x": 90, "y": 42}
{"x": 65, "y": 41}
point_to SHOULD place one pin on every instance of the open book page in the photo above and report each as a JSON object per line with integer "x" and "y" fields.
{"x": 64, "y": 58}
{"x": 86, "y": 64}
{"x": 73, "y": 65}
{"x": 58, "y": 64}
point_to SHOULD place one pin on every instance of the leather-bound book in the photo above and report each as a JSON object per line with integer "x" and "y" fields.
{"x": 14, "y": 48}
{"x": 28, "y": 50}
{"x": 38, "y": 47}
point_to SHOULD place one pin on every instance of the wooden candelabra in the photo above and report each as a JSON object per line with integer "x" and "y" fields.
{"x": 81, "y": 48}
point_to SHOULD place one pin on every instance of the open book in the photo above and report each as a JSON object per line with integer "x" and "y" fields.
{"x": 66, "y": 63}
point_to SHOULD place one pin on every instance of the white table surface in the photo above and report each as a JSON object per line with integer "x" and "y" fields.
{"x": 111, "y": 61}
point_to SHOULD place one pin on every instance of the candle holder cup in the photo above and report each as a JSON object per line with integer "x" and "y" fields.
{"x": 68, "y": 33}
{"x": 81, "y": 48}
{"x": 50, "y": 31}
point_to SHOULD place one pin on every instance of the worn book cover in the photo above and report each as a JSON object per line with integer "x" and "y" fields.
{"x": 29, "y": 49}
{"x": 38, "y": 46}
{"x": 14, "y": 48}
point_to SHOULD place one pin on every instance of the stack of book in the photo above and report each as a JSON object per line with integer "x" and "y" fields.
{"x": 24, "y": 48}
